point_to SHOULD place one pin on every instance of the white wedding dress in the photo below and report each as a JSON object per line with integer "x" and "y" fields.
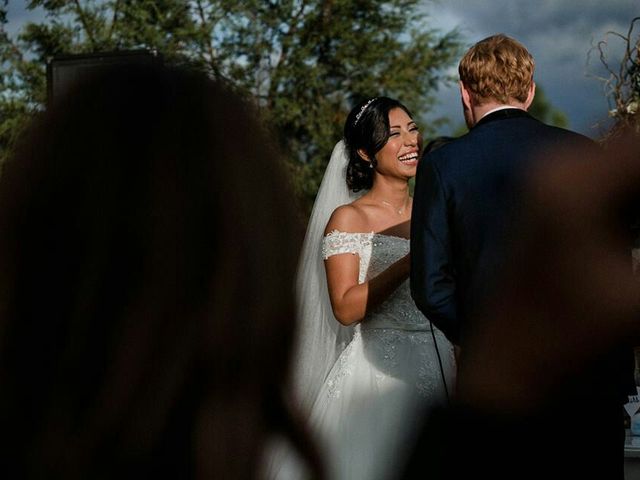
{"x": 362, "y": 389}
{"x": 383, "y": 381}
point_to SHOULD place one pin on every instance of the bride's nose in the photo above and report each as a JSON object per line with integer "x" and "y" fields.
{"x": 410, "y": 139}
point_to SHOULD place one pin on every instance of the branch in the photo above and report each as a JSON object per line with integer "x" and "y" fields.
{"x": 114, "y": 20}
{"x": 284, "y": 52}
{"x": 83, "y": 20}
{"x": 209, "y": 44}
{"x": 292, "y": 31}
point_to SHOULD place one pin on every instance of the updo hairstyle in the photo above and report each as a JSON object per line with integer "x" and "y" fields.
{"x": 367, "y": 128}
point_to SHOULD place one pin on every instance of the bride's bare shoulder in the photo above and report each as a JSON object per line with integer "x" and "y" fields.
{"x": 347, "y": 218}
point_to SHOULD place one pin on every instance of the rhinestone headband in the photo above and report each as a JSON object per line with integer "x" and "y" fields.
{"x": 364, "y": 107}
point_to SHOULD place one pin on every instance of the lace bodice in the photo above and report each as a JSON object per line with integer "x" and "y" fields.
{"x": 378, "y": 251}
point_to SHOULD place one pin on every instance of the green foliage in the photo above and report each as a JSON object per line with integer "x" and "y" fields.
{"x": 543, "y": 110}
{"x": 303, "y": 62}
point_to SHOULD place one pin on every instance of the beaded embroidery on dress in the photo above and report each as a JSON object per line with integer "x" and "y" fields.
{"x": 384, "y": 379}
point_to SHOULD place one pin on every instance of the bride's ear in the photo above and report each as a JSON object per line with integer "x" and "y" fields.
{"x": 363, "y": 155}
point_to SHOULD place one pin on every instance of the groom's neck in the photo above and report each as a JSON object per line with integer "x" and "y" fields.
{"x": 480, "y": 111}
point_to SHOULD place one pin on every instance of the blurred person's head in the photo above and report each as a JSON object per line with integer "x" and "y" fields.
{"x": 497, "y": 70}
{"x": 147, "y": 253}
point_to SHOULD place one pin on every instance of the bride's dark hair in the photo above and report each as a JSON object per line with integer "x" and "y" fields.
{"x": 367, "y": 128}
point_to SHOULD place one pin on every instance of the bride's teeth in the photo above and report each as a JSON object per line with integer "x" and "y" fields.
{"x": 409, "y": 156}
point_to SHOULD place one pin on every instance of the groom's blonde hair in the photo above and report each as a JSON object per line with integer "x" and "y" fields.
{"x": 497, "y": 68}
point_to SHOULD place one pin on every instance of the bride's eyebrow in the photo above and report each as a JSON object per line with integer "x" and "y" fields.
{"x": 398, "y": 126}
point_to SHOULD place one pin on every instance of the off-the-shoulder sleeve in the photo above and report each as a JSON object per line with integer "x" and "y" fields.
{"x": 337, "y": 242}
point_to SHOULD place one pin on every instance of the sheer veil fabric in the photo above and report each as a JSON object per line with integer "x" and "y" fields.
{"x": 321, "y": 338}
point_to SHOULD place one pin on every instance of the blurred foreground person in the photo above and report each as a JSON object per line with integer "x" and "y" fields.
{"x": 541, "y": 369}
{"x": 147, "y": 255}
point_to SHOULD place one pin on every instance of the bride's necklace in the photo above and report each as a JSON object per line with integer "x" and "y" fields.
{"x": 399, "y": 210}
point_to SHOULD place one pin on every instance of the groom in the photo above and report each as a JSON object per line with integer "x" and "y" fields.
{"x": 468, "y": 195}
{"x": 468, "y": 191}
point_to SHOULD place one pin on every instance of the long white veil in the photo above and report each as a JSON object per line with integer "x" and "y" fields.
{"x": 321, "y": 338}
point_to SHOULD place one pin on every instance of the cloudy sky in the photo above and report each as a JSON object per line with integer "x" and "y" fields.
{"x": 559, "y": 35}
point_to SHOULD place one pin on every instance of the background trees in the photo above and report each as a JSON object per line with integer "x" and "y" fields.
{"x": 304, "y": 62}
{"x": 543, "y": 110}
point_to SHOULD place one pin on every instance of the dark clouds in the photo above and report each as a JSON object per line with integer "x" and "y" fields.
{"x": 530, "y": 17}
{"x": 559, "y": 34}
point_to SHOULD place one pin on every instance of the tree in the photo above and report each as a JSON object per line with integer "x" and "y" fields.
{"x": 543, "y": 110}
{"x": 304, "y": 62}
{"x": 72, "y": 27}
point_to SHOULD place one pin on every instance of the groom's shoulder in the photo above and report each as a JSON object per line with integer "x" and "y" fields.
{"x": 530, "y": 138}
{"x": 451, "y": 149}
{"x": 443, "y": 155}
{"x": 569, "y": 138}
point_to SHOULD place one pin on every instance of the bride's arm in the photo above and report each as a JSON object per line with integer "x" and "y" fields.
{"x": 351, "y": 300}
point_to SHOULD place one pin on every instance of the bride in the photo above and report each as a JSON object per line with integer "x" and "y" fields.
{"x": 368, "y": 362}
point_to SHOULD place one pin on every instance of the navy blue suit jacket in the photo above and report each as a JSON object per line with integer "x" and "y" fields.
{"x": 467, "y": 195}
{"x": 467, "y": 199}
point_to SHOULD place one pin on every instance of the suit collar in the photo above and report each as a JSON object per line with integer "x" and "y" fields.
{"x": 502, "y": 114}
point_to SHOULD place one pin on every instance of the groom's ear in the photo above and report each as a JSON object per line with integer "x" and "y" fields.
{"x": 465, "y": 95}
{"x": 532, "y": 94}
{"x": 363, "y": 155}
